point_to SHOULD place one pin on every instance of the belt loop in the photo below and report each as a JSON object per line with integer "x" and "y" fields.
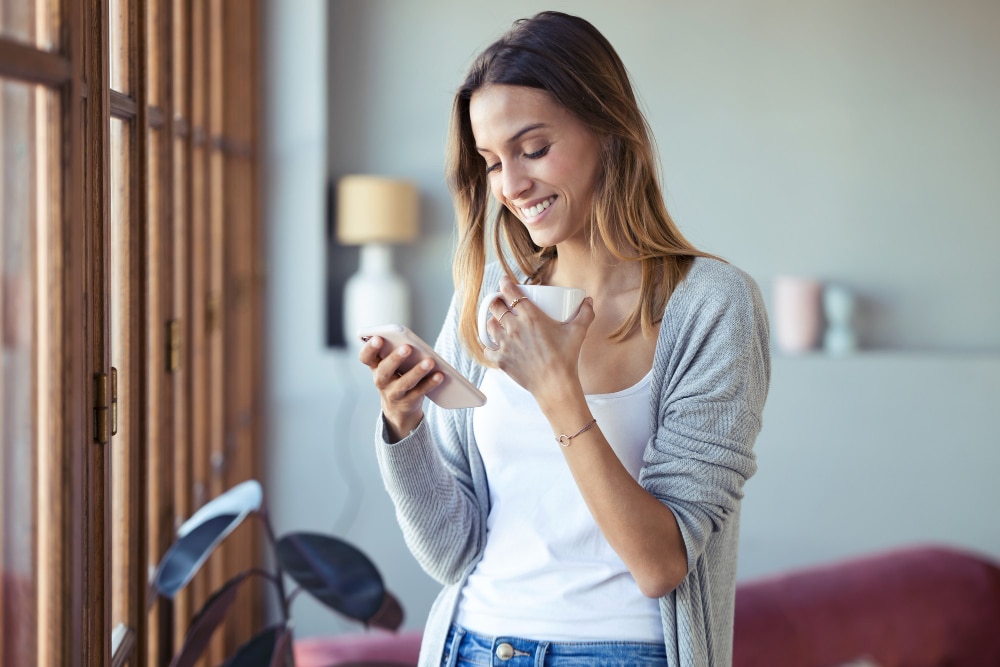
{"x": 458, "y": 632}
{"x": 540, "y": 650}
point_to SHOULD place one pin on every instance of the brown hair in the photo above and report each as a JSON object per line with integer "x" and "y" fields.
{"x": 571, "y": 60}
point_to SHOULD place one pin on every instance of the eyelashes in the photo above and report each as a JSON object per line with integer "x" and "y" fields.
{"x": 542, "y": 152}
{"x": 538, "y": 154}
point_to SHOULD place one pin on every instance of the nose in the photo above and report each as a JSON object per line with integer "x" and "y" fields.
{"x": 515, "y": 180}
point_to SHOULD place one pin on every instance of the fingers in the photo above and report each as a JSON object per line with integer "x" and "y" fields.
{"x": 369, "y": 354}
{"x": 402, "y": 382}
{"x": 495, "y": 327}
{"x": 503, "y": 305}
{"x": 394, "y": 374}
{"x": 498, "y": 309}
{"x": 510, "y": 289}
{"x": 585, "y": 315}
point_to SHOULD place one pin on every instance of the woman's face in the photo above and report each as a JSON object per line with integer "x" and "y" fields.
{"x": 541, "y": 161}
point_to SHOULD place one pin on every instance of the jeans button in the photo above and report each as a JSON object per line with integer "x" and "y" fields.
{"x": 505, "y": 651}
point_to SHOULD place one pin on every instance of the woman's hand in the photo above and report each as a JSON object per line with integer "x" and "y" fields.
{"x": 402, "y": 393}
{"x": 540, "y": 354}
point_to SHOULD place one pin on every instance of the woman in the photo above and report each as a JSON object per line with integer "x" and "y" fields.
{"x": 618, "y": 547}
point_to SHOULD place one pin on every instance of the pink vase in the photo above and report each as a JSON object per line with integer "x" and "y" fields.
{"x": 798, "y": 313}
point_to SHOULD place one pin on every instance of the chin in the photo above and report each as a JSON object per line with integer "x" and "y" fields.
{"x": 542, "y": 237}
{"x": 542, "y": 240}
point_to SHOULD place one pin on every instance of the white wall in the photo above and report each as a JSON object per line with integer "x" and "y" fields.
{"x": 849, "y": 140}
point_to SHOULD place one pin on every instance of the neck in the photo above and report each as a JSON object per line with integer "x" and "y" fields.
{"x": 598, "y": 275}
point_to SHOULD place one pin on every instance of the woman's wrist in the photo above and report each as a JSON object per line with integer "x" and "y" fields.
{"x": 561, "y": 397}
{"x": 399, "y": 427}
{"x": 566, "y": 412}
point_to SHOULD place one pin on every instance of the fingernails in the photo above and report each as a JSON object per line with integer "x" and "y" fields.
{"x": 426, "y": 364}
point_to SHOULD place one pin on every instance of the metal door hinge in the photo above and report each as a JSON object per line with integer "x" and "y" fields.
{"x": 211, "y": 313}
{"x": 105, "y": 406}
{"x": 173, "y": 345}
{"x": 114, "y": 401}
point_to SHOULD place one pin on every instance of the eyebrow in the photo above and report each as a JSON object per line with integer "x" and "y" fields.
{"x": 517, "y": 135}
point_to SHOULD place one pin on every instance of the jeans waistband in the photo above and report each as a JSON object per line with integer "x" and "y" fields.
{"x": 466, "y": 649}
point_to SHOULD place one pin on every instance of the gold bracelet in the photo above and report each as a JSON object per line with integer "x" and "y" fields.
{"x": 564, "y": 439}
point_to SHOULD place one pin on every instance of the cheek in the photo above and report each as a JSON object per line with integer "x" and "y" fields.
{"x": 496, "y": 187}
{"x": 589, "y": 180}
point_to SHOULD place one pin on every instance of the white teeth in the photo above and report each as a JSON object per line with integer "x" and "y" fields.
{"x": 538, "y": 208}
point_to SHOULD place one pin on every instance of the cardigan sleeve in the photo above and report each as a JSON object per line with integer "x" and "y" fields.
{"x": 711, "y": 375}
{"x": 429, "y": 478}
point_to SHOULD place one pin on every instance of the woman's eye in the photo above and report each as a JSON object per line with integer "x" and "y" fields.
{"x": 490, "y": 168}
{"x": 537, "y": 154}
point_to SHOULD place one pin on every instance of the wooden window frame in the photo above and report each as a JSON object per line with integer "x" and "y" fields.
{"x": 202, "y": 75}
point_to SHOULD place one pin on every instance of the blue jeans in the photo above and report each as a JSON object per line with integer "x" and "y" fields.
{"x": 465, "y": 649}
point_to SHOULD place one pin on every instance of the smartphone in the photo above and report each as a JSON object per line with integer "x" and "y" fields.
{"x": 455, "y": 391}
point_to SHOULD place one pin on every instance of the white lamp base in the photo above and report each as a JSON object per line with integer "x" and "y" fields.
{"x": 374, "y": 295}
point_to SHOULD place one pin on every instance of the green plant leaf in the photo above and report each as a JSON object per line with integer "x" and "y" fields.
{"x": 389, "y": 615}
{"x": 205, "y": 622}
{"x": 283, "y": 655}
{"x": 334, "y": 572}
{"x": 198, "y": 537}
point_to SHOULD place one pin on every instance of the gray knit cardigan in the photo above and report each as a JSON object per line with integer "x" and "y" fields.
{"x": 711, "y": 372}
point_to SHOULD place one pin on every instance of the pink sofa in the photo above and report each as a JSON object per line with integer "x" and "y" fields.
{"x": 920, "y": 606}
{"x": 371, "y": 649}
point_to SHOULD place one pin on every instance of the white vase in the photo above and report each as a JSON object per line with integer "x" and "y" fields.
{"x": 798, "y": 315}
{"x": 375, "y": 295}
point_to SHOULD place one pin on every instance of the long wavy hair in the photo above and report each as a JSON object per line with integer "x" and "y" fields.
{"x": 570, "y": 59}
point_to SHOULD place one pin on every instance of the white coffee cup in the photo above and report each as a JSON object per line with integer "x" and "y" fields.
{"x": 559, "y": 303}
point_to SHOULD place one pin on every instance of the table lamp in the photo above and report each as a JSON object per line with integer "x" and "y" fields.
{"x": 375, "y": 212}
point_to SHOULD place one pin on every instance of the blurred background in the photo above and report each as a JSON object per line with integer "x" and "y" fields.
{"x": 853, "y": 144}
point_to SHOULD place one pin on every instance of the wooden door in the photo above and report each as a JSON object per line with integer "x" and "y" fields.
{"x": 128, "y": 145}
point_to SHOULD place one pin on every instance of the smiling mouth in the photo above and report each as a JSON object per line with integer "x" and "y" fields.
{"x": 536, "y": 210}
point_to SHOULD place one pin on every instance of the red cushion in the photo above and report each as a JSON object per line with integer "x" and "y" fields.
{"x": 387, "y": 648}
{"x": 916, "y": 607}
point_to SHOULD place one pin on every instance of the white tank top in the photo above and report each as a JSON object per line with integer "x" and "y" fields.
{"x": 547, "y": 572}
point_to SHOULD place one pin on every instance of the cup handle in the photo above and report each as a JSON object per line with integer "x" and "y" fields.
{"x": 484, "y": 317}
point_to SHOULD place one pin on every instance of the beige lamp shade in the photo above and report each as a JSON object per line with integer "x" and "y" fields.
{"x": 375, "y": 209}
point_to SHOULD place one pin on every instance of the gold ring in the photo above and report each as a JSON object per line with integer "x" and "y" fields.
{"x": 516, "y": 301}
{"x": 501, "y": 316}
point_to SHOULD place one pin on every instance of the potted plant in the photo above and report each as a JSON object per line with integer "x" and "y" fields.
{"x": 334, "y": 572}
